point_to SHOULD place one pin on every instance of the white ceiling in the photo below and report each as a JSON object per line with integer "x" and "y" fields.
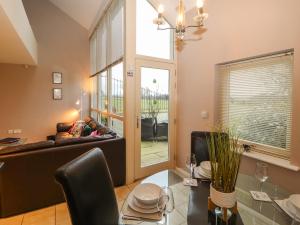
{"x": 85, "y": 12}
{"x": 172, "y": 4}
{"x": 82, "y": 11}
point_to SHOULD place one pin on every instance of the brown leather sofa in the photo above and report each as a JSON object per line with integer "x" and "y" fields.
{"x": 27, "y": 177}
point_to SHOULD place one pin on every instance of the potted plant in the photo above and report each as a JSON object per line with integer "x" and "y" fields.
{"x": 149, "y": 121}
{"x": 225, "y": 156}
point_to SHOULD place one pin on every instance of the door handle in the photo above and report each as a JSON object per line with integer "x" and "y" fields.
{"x": 137, "y": 121}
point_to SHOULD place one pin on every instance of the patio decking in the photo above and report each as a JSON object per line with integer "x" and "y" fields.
{"x": 153, "y": 152}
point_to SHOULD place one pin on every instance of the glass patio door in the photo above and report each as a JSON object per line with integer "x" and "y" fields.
{"x": 154, "y": 117}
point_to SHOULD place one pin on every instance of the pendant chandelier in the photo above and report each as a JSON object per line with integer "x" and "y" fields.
{"x": 181, "y": 26}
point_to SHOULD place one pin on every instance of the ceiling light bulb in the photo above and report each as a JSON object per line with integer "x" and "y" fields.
{"x": 180, "y": 19}
{"x": 160, "y": 9}
{"x": 77, "y": 102}
{"x": 200, "y": 4}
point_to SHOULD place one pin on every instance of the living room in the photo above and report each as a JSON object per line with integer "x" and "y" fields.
{"x": 144, "y": 81}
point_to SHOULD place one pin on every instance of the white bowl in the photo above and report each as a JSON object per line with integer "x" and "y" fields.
{"x": 202, "y": 172}
{"x": 147, "y": 193}
{"x": 137, "y": 206}
{"x": 205, "y": 165}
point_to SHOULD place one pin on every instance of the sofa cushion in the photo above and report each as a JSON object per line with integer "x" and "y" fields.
{"x": 77, "y": 140}
{"x": 88, "y": 119}
{"x": 94, "y": 125}
{"x": 63, "y": 127}
{"x": 27, "y": 147}
{"x": 62, "y": 135}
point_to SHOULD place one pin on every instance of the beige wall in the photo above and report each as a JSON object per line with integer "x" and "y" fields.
{"x": 236, "y": 29}
{"x": 26, "y": 94}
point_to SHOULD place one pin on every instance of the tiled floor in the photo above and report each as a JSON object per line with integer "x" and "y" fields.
{"x": 154, "y": 152}
{"x": 59, "y": 215}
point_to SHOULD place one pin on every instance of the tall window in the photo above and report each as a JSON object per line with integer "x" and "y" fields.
{"x": 255, "y": 97}
{"x": 149, "y": 40}
{"x": 106, "y": 51}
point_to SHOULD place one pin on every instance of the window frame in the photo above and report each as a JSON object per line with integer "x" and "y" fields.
{"x": 278, "y": 152}
{"x": 172, "y": 52}
{"x": 107, "y": 111}
{"x": 104, "y": 24}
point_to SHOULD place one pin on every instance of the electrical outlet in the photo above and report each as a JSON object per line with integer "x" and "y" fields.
{"x": 10, "y": 131}
{"x": 17, "y": 131}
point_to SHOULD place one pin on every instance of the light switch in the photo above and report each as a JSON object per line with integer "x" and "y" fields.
{"x": 204, "y": 114}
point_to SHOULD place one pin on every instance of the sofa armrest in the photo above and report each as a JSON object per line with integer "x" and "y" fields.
{"x": 63, "y": 127}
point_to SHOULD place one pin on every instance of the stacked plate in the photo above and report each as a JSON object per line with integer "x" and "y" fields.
{"x": 203, "y": 170}
{"x": 291, "y": 206}
{"x": 147, "y": 198}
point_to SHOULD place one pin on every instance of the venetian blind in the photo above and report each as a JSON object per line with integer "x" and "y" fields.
{"x": 255, "y": 97}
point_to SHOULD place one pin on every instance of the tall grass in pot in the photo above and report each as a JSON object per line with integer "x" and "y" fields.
{"x": 225, "y": 156}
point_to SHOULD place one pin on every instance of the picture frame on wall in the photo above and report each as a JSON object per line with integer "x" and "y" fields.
{"x": 57, "y": 93}
{"x": 57, "y": 78}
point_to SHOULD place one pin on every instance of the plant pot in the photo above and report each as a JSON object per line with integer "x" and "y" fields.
{"x": 147, "y": 129}
{"x": 221, "y": 199}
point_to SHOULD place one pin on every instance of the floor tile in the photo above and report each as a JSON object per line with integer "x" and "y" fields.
{"x": 15, "y": 220}
{"x": 44, "y": 216}
{"x": 62, "y": 216}
{"x": 122, "y": 192}
{"x": 120, "y": 204}
{"x": 134, "y": 184}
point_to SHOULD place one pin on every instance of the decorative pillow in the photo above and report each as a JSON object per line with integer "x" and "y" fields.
{"x": 93, "y": 125}
{"x": 77, "y": 128}
{"x": 88, "y": 119}
{"x": 86, "y": 131}
{"x": 103, "y": 130}
{"x": 94, "y": 133}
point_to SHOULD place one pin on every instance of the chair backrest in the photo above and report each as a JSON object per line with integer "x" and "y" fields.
{"x": 199, "y": 145}
{"x": 88, "y": 189}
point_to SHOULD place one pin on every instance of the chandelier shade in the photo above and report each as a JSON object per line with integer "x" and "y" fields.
{"x": 181, "y": 27}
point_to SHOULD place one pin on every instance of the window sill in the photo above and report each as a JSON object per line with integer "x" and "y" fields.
{"x": 272, "y": 160}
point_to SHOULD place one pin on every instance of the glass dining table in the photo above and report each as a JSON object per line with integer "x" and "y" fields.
{"x": 190, "y": 203}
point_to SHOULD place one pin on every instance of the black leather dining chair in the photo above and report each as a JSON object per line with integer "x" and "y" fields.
{"x": 199, "y": 145}
{"x": 88, "y": 189}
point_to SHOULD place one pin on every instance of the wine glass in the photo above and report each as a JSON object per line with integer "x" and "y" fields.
{"x": 191, "y": 163}
{"x": 167, "y": 196}
{"x": 261, "y": 173}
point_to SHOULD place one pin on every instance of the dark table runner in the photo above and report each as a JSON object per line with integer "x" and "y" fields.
{"x": 198, "y": 213}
